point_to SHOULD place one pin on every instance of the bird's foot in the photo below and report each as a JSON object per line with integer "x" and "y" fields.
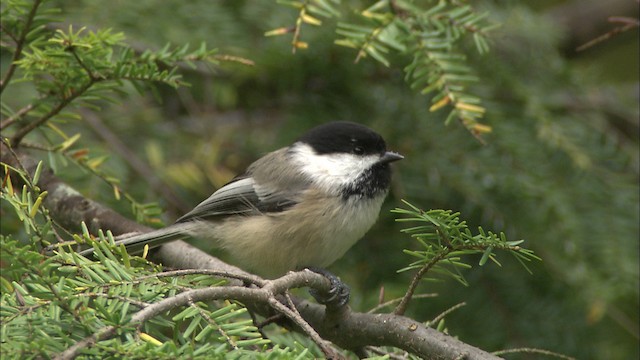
{"x": 338, "y": 294}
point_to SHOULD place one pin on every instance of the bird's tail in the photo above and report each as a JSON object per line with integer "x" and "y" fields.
{"x": 135, "y": 243}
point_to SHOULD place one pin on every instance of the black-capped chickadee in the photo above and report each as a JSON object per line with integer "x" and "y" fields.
{"x": 300, "y": 206}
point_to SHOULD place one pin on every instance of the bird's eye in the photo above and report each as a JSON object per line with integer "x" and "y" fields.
{"x": 358, "y": 150}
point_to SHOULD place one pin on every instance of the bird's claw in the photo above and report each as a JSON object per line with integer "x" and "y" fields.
{"x": 338, "y": 294}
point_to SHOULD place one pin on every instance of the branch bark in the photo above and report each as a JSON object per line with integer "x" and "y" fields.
{"x": 344, "y": 327}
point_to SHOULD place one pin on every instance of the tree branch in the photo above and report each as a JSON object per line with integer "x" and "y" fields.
{"x": 345, "y": 328}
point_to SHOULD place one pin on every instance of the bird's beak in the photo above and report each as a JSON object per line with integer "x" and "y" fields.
{"x": 390, "y": 156}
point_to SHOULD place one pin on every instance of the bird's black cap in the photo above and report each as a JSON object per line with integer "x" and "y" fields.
{"x": 344, "y": 137}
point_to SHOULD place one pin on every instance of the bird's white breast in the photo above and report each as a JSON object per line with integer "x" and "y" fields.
{"x": 273, "y": 244}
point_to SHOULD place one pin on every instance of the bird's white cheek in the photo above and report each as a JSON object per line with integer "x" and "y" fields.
{"x": 331, "y": 171}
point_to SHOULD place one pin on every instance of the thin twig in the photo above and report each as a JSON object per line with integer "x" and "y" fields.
{"x": 23, "y": 131}
{"x": 446, "y": 312}
{"x": 630, "y": 23}
{"x": 19, "y": 45}
{"x": 6, "y": 31}
{"x": 294, "y": 315}
{"x": 533, "y": 351}
{"x": 397, "y": 300}
{"x": 84, "y": 66}
{"x": 16, "y": 162}
{"x": 248, "y": 278}
{"x": 402, "y": 307}
{"x": 282, "y": 286}
{"x": 15, "y": 117}
{"x": 214, "y": 323}
{"x": 382, "y": 352}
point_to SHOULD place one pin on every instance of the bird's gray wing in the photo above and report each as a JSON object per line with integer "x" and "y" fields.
{"x": 241, "y": 196}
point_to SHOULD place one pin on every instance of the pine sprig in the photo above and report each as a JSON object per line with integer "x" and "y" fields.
{"x": 309, "y": 12}
{"x": 446, "y": 243}
{"x": 79, "y": 68}
{"x": 430, "y": 36}
{"x": 374, "y": 41}
{"x": 55, "y": 301}
{"x": 28, "y": 203}
{"x": 71, "y": 69}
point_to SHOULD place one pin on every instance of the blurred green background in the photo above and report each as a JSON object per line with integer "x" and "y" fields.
{"x": 560, "y": 169}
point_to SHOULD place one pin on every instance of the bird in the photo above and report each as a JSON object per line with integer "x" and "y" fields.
{"x": 301, "y": 206}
